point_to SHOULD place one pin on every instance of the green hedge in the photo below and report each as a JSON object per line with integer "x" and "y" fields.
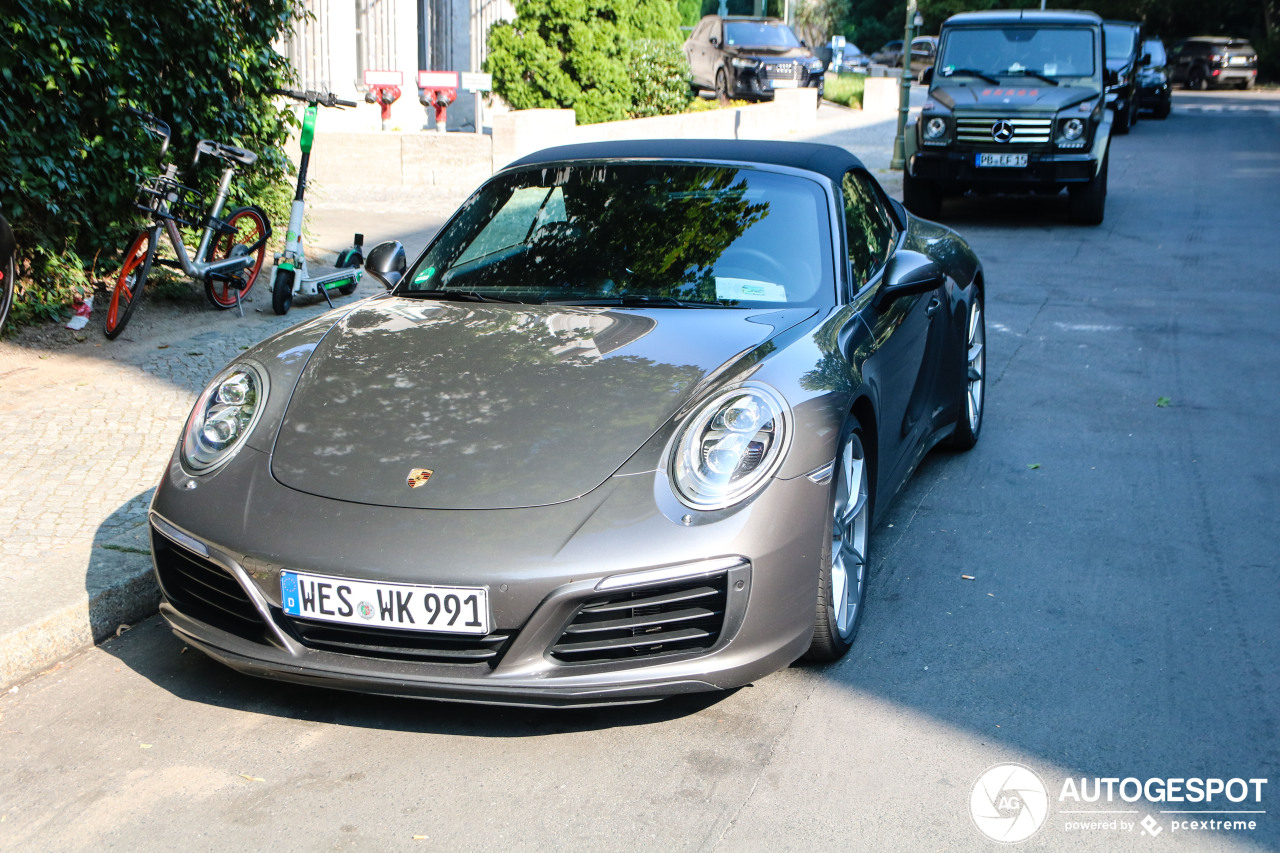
{"x": 578, "y": 54}
{"x": 70, "y": 156}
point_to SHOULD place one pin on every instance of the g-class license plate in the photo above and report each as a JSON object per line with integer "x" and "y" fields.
{"x": 1016, "y": 161}
{"x": 409, "y": 607}
{"x": 784, "y": 84}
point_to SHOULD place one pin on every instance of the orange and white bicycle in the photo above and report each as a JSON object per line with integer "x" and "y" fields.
{"x": 231, "y": 250}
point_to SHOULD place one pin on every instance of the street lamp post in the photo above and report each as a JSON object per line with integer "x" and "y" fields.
{"x": 904, "y": 88}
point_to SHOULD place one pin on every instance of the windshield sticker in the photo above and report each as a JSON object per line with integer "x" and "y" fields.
{"x": 749, "y": 290}
{"x": 425, "y": 275}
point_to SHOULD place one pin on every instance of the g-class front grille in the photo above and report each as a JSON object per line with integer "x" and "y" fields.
{"x": 981, "y": 128}
{"x": 650, "y": 622}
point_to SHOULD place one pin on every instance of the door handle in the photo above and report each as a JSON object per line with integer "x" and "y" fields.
{"x": 934, "y": 304}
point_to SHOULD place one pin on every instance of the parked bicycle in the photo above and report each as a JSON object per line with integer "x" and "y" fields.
{"x": 231, "y": 249}
{"x": 8, "y": 279}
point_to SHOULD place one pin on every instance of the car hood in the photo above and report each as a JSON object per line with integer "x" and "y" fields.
{"x": 765, "y": 52}
{"x": 1025, "y": 94}
{"x": 507, "y": 406}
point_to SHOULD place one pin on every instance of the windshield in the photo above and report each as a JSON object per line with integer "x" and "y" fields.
{"x": 696, "y": 236}
{"x": 758, "y": 34}
{"x": 1120, "y": 38}
{"x": 1015, "y": 51}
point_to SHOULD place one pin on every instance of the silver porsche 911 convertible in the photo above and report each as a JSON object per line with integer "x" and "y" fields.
{"x": 619, "y": 433}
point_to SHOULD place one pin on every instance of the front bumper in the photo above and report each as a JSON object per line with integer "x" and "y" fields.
{"x": 540, "y": 566}
{"x": 749, "y": 84}
{"x": 957, "y": 170}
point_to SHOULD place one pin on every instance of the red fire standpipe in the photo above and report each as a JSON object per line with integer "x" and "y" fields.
{"x": 439, "y": 99}
{"x": 384, "y": 96}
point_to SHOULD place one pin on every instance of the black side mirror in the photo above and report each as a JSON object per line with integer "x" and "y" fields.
{"x": 909, "y": 274}
{"x": 926, "y": 76}
{"x": 387, "y": 263}
{"x": 715, "y": 42}
{"x": 1145, "y": 60}
{"x": 803, "y": 43}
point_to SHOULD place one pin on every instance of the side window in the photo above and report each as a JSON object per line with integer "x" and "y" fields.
{"x": 869, "y": 229}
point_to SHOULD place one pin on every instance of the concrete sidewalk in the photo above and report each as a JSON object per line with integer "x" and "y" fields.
{"x": 90, "y": 423}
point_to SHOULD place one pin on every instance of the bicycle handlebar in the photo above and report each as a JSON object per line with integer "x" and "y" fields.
{"x": 155, "y": 125}
{"x": 324, "y": 99}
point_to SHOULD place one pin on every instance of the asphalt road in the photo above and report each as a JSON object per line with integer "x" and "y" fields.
{"x": 1121, "y": 621}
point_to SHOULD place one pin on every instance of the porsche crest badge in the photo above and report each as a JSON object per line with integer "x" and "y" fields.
{"x": 419, "y": 477}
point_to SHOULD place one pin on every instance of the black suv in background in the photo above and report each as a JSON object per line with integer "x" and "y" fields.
{"x": 750, "y": 58}
{"x": 1124, "y": 41}
{"x": 1016, "y": 104}
{"x": 1206, "y": 61}
{"x": 1154, "y": 91}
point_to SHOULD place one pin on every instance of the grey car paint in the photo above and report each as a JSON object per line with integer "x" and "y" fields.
{"x": 279, "y": 504}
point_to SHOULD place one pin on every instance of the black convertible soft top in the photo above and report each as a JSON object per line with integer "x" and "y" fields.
{"x": 829, "y": 160}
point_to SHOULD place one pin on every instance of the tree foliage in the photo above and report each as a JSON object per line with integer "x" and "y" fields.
{"x": 70, "y": 156}
{"x": 577, "y": 54}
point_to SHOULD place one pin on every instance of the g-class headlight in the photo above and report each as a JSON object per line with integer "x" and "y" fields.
{"x": 738, "y": 62}
{"x": 223, "y": 417}
{"x": 935, "y": 128}
{"x": 1072, "y": 129}
{"x": 815, "y": 65}
{"x": 730, "y": 447}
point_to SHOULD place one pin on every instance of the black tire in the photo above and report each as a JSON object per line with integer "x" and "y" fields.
{"x": 130, "y": 282}
{"x": 921, "y": 196}
{"x": 248, "y": 237}
{"x": 1163, "y": 109}
{"x": 973, "y": 370}
{"x": 8, "y": 271}
{"x": 1245, "y": 84}
{"x": 1123, "y": 121}
{"x": 838, "y": 613}
{"x": 282, "y": 291}
{"x": 1089, "y": 201}
{"x": 350, "y": 258}
{"x": 722, "y": 86}
{"x": 1196, "y": 80}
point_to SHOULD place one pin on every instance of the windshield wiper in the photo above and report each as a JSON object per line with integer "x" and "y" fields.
{"x": 1027, "y": 72}
{"x": 457, "y": 296}
{"x": 631, "y": 301}
{"x": 971, "y": 72}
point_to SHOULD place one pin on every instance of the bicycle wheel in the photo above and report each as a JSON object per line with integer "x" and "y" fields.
{"x": 8, "y": 277}
{"x": 127, "y": 292}
{"x": 248, "y": 237}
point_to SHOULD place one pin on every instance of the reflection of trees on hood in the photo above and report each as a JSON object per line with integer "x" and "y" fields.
{"x": 652, "y": 231}
{"x": 507, "y": 405}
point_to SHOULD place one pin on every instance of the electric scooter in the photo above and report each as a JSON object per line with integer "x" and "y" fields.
{"x": 292, "y": 277}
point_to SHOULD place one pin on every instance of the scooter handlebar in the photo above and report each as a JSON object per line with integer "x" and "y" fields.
{"x": 324, "y": 99}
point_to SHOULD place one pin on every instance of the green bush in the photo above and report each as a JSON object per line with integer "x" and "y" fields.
{"x": 576, "y": 54}
{"x": 70, "y": 156}
{"x": 661, "y": 75}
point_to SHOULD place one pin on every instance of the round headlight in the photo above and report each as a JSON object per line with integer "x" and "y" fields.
{"x": 730, "y": 447}
{"x": 935, "y": 127}
{"x": 1072, "y": 128}
{"x": 223, "y": 417}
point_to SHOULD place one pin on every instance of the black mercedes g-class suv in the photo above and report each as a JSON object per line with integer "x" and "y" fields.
{"x": 1017, "y": 103}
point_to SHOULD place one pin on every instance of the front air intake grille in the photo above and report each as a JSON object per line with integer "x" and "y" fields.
{"x": 970, "y": 128}
{"x": 203, "y": 590}
{"x": 393, "y": 644}
{"x": 645, "y": 623}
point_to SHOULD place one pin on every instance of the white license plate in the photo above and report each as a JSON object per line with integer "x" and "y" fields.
{"x": 411, "y": 607}
{"x": 1016, "y": 161}
{"x": 785, "y": 84}
{"x": 1238, "y": 60}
